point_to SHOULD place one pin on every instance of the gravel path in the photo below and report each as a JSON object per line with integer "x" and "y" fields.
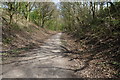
{"x": 45, "y": 62}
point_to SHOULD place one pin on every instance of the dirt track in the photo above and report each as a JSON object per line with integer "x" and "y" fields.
{"x": 45, "y": 62}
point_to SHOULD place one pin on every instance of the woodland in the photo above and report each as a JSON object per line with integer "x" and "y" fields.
{"x": 94, "y": 27}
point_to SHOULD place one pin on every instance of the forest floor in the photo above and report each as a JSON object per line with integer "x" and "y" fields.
{"x": 92, "y": 63}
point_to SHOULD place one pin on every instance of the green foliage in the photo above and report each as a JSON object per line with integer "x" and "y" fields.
{"x": 3, "y": 53}
{"x": 43, "y": 14}
{"x": 7, "y": 40}
{"x": 78, "y": 18}
{"x": 116, "y": 63}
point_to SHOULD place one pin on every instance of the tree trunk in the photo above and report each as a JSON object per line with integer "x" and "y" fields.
{"x": 93, "y": 9}
{"x": 10, "y": 19}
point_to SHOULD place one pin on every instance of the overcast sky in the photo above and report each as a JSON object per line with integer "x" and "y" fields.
{"x": 55, "y": 1}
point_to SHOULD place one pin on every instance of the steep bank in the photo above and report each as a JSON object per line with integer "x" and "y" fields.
{"x": 93, "y": 63}
{"x": 21, "y": 35}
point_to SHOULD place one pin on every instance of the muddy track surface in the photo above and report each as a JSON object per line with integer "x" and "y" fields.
{"x": 48, "y": 61}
